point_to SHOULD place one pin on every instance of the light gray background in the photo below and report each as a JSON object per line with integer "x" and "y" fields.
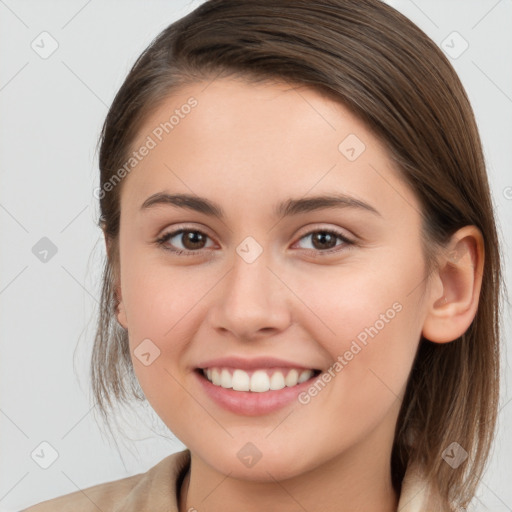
{"x": 52, "y": 110}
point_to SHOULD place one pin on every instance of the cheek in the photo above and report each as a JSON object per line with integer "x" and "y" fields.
{"x": 358, "y": 302}
{"x": 162, "y": 305}
{"x": 369, "y": 322}
{"x": 158, "y": 297}
{"x": 372, "y": 354}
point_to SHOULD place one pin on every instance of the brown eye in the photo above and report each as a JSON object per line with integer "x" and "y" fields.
{"x": 325, "y": 241}
{"x": 191, "y": 240}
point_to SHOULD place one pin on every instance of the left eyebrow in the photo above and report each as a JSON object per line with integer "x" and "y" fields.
{"x": 283, "y": 209}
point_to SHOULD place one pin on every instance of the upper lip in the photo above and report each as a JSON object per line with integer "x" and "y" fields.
{"x": 251, "y": 364}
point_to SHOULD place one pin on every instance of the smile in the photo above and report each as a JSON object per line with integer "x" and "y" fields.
{"x": 258, "y": 381}
{"x": 254, "y": 386}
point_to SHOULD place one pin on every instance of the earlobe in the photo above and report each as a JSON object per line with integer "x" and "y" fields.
{"x": 121, "y": 315}
{"x": 119, "y": 306}
{"x": 118, "y": 298}
{"x": 459, "y": 275}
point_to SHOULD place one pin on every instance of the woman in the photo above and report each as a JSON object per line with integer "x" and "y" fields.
{"x": 357, "y": 372}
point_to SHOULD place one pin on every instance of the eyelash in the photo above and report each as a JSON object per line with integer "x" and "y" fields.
{"x": 316, "y": 252}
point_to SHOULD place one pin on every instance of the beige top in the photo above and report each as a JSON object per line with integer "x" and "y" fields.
{"x": 157, "y": 490}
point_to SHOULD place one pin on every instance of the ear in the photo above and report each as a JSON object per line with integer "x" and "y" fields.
{"x": 120, "y": 310}
{"x": 453, "y": 299}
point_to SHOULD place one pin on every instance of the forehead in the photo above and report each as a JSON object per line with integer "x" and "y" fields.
{"x": 258, "y": 111}
{"x": 244, "y": 142}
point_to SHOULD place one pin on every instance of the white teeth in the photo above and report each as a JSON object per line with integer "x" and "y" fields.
{"x": 305, "y": 375}
{"x": 277, "y": 381}
{"x": 225, "y": 379}
{"x": 259, "y": 382}
{"x": 292, "y": 378}
{"x": 215, "y": 377}
{"x": 241, "y": 381}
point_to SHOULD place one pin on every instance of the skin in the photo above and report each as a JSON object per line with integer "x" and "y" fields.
{"x": 248, "y": 147}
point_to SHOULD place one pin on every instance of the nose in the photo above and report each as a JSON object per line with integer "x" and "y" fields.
{"x": 253, "y": 302}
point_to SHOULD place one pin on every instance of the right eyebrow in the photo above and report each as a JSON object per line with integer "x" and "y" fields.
{"x": 190, "y": 202}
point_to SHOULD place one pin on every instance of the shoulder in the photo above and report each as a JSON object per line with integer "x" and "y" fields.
{"x": 125, "y": 493}
{"x": 417, "y": 494}
{"x": 103, "y": 496}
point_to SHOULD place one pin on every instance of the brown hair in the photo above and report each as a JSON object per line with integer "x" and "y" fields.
{"x": 381, "y": 66}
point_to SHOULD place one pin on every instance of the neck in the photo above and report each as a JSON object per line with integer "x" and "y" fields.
{"x": 350, "y": 482}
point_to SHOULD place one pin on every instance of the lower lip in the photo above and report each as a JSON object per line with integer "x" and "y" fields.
{"x": 250, "y": 403}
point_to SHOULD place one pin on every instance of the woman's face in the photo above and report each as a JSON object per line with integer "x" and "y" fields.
{"x": 273, "y": 282}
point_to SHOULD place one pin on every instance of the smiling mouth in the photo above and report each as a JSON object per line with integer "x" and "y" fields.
{"x": 258, "y": 381}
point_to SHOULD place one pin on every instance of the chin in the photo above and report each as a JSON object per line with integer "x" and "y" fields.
{"x": 260, "y": 462}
